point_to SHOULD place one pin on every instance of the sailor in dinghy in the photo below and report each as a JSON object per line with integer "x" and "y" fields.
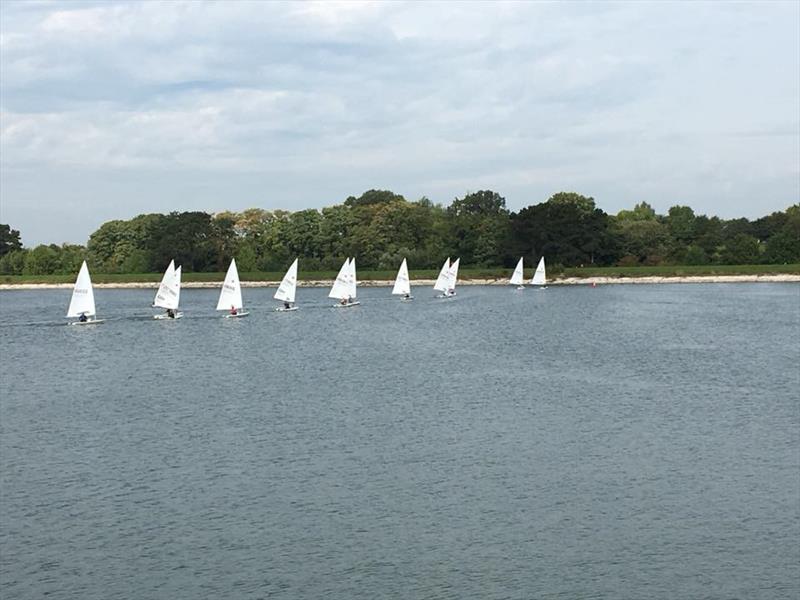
{"x": 168, "y": 295}
{"x": 448, "y": 276}
{"x": 344, "y": 288}
{"x": 540, "y": 276}
{"x": 402, "y": 284}
{"x": 231, "y": 294}
{"x": 287, "y": 289}
{"x": 81, "y": 304}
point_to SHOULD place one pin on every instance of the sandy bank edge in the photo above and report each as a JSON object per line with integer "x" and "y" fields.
{"x": 784, "y": 278}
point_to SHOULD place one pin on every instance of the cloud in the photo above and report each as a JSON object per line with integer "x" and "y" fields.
{"x": 626, "y": 102}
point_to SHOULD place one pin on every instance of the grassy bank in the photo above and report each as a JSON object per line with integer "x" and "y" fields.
{"x": 465, "y": 274}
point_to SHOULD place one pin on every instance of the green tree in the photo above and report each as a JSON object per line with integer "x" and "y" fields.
{"x": 224, "y": 241}
{"x": 568, "y": 229}
{"x": 742, "y": 249}
{"x": 784, "y": 246}
{"x": 186, "y": 237}
{"x": 13, "y": 263}
{"x": 125, "y": 246}
{"x": 9, "y": 239}
{"x": 42, "y": 260}
{"x": 646, "y": 240}
{"x": 695, "y": 255}
{"x": 374, "y": 197}
{"x": 681, "y": 222}
{"x": 641, "y": 212}
{"x": 479, "y": 225}
{"x": 70, "y": 258}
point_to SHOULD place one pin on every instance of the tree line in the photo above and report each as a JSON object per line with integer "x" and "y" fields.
{"x": 380, "y": 228}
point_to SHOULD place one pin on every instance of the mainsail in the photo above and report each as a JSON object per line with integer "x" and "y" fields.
{"x": 288, "y": 287}
{"x": 452, "y": 274}
{"x": 341, "y": 286}
{"x": 442, "y": 282}
{"x": 516, "y": 278}
{"x": 352, "y": 282}
{"x": 402, "y": 285}
{"x": 82, "y": 302}
{"x": 539, "y": 277}
{"x": 231, "y": 293}
{"x": 166, "y": 296}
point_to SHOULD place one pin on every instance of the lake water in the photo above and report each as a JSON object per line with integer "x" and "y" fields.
{"x": 576, "y": 442}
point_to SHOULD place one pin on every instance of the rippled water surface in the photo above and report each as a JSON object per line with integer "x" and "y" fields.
{"x": 617, "y": 442}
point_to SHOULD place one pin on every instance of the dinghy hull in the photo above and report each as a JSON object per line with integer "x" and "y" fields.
{"x": 166, "y": 318}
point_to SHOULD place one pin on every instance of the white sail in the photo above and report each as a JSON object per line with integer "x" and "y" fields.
{"x": 539, "y": 277}
{"x": 452, "y": 274}
{"x": 402, "y": 285}
{"x": 230, "y": 296}
{"x": 288, "y": 287}
{"x": 352, "y": 282}
{"x": 442, "y": 281}
{"x": 82, "y": 302}
{"x": 516, "y": 278}
{"x": 165, "y": 291}
{"x": 176, "y": 287}
{"x": 341, "y": 286}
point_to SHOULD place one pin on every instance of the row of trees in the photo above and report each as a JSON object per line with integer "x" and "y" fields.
{"x": 381, "y": 227}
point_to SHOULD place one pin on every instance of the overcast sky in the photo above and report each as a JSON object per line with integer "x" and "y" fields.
{"x": 110, "y": 110}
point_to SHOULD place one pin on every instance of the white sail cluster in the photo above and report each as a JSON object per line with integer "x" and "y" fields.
{"x": 345, "y": 288}
{"x": 169, "y": 291}
{"x": 447, "y": 279}
{"x": 346, "y": 284}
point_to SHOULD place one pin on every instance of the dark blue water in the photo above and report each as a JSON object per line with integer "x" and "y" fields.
{"x": 618, "y": 442}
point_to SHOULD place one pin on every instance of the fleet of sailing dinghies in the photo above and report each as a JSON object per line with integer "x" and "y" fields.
{"x": 516, "y": 278}
{"x": 287, "y": 288}
{"x": 168, "y": 295}
{"x": 81, "y": 305}
{"x": 230, "y": 296}
{"x": 539, "y": 278}
{"x": 402, "y": 284}
{"x": 344, "y": 289}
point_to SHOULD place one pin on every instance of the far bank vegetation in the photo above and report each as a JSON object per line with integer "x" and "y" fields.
{"x": 381, "y": 228}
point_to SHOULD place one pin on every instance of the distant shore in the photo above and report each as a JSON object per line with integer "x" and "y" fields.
{"x": 325, "y": 283}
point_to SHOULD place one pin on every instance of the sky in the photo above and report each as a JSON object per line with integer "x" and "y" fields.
{"x": 113, "y": 109}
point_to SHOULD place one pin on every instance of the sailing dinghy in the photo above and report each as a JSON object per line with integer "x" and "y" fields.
{"x": 82, "y": 303}
{"x": 287, "y": 289}
{"x": 443, "y": 280}
{"x": 169, "y": 293}
{"x": 516, "y": 278}
{"x": 402, "y": 284}
{"x": 230, "y": 296}
{"x": 452, "y": 278}
{"x": 344, "y": 288}
{"x": 539, "y": 277}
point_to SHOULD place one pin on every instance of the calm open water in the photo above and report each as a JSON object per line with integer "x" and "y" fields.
{"x": 617, "y": 442}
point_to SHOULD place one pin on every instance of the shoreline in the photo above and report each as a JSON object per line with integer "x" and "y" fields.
{"x": 324, "y": 283}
